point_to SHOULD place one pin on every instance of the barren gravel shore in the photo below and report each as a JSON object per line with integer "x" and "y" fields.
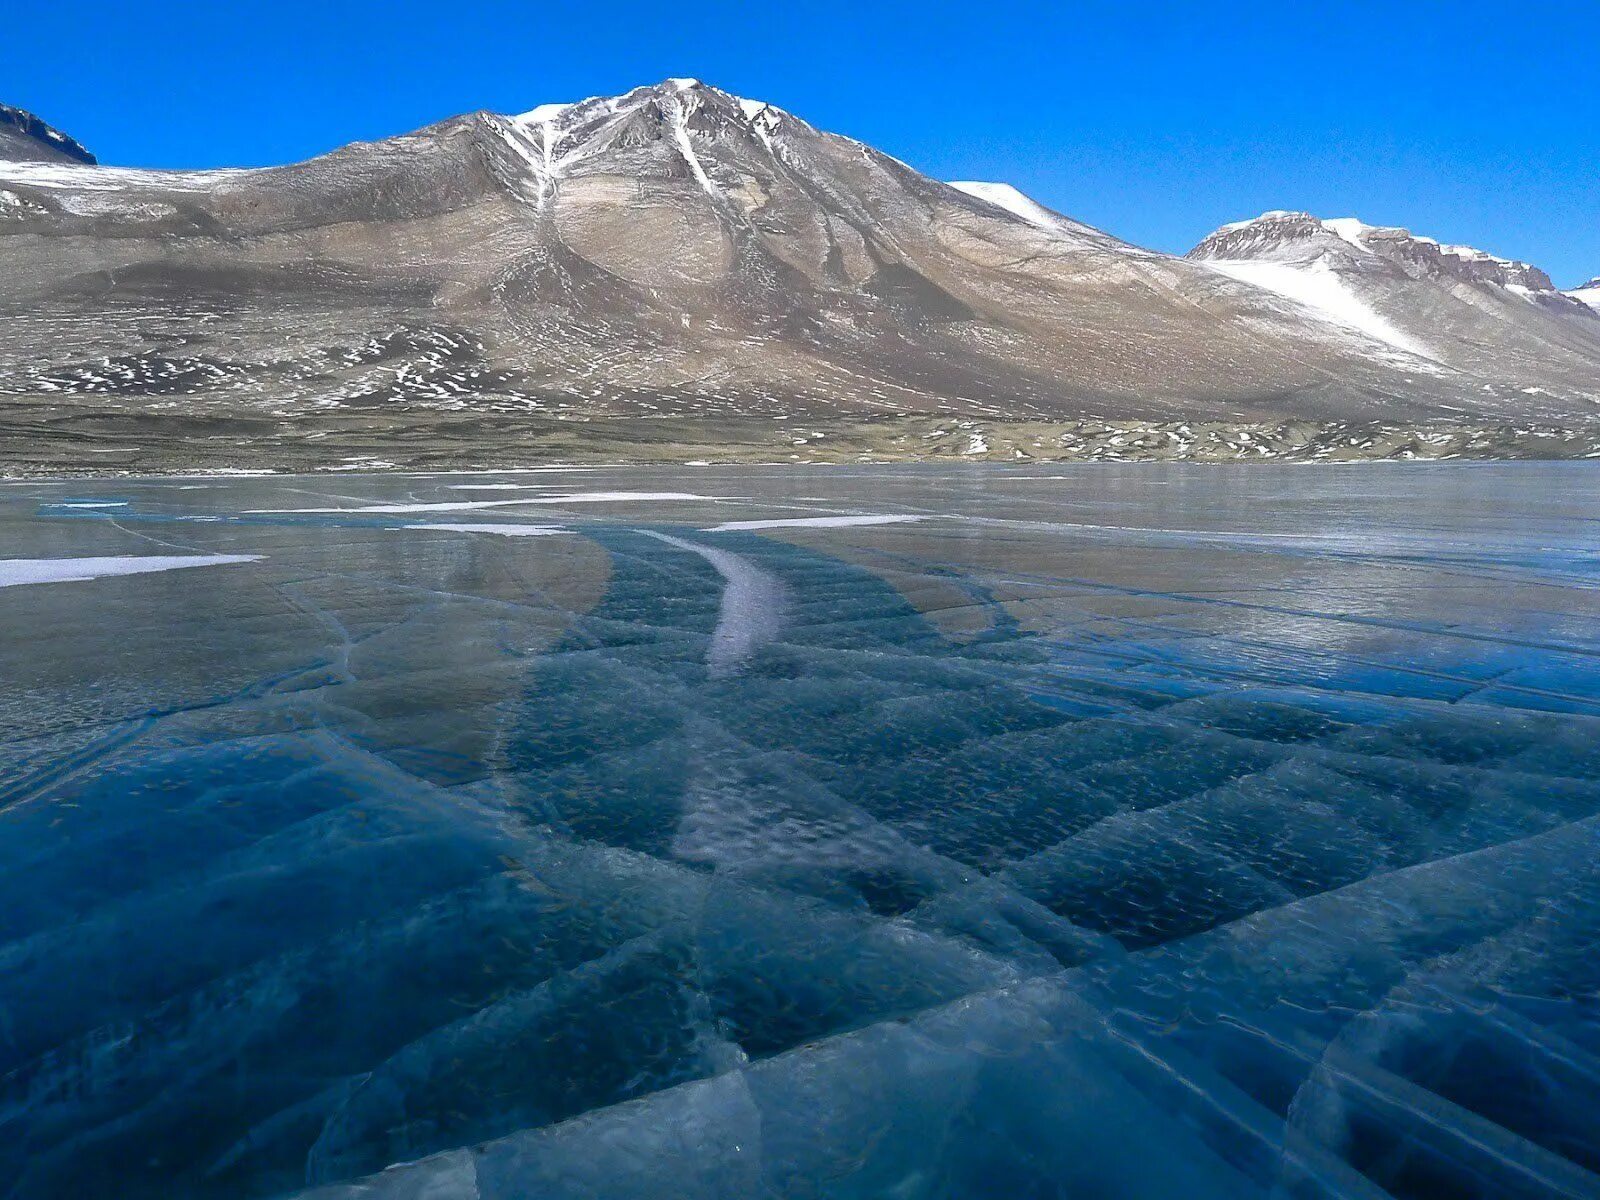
{"x": 79, "y": 440}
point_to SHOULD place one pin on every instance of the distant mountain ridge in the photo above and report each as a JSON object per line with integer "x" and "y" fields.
{"x": 1276, "y": 232}
{"x": 25, "y": 138}
{"x": 680, "y": 252}
{"x": 1477, "y": 313}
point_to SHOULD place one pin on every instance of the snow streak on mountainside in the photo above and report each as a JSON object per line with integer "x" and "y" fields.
{"x": 1319, "y": 289}
{"x": 680, "y": 252}
{"x": 1004, "y": 196}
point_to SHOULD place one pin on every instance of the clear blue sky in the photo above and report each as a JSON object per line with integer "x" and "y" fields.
{"x": 1469, "y": 120}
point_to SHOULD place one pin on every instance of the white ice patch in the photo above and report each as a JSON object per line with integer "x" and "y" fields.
{"x": 502, "y": 530}
{"x": 220, "y": 472}
{"x": 469, "y": 505}
{"x": 1320, "y": 289}
{"x": 17, "y": 571}
{"x": 362, "y": 464}
{"x": 754, "y": 606}
{"x": 500, "y": 487}
{"x": 813, "y": 522}
{"x": 507, "y": 486}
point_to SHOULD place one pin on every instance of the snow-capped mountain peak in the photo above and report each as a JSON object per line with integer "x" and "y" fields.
{"x": 688, "y": 92}
{"x": 552, "y": 140}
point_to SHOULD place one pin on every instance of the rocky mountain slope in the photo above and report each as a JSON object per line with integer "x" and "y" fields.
{"x": 456, "y": 293}
{"x": 26, "y": 138}
{"x": 1483, "y": 317}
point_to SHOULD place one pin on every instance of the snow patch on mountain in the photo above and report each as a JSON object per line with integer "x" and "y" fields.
{"x": 1004, "y": 196}
{"x": 542, "y": 114}
{"x": 1319, "y": 289}
{"x": 1588, "y": 294}
{"x": 1025, "y": 208}
{"x": 1349, "y": 229}
{"x": 112, "y": 179}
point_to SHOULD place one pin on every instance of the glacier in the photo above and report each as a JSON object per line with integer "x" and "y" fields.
{"x": 970, "y": 831}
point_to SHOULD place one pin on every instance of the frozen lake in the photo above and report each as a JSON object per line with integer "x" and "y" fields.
{"x": 802, "y": 832}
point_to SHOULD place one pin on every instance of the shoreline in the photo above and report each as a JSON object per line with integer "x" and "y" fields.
{"x": 119, "y": 443}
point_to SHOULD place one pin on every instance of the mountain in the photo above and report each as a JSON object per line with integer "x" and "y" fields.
{"x": 1491, "y": 319}
{"x": 472, "y": 291}
{"x": 25, "y": 138}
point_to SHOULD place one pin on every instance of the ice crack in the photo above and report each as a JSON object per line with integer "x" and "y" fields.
{"x": 754, "y": 606}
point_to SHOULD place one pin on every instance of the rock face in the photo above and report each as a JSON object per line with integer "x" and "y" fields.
{"x": 678, "y": 251}
{"x": 25, "y": 138}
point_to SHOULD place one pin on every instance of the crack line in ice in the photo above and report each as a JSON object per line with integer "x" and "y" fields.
{"x": 754, "y": 606}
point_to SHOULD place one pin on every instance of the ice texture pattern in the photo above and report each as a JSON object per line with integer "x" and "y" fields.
{"x": 1115, "y": 831}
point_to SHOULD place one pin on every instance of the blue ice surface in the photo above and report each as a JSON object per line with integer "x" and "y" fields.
{"x": 1113, "y": 832}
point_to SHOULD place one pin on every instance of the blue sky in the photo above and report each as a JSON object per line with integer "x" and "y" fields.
{"x": 1475, "y": 120}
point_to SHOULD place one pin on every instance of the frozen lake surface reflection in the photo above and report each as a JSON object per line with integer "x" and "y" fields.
{"x": 802, "y": 832}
